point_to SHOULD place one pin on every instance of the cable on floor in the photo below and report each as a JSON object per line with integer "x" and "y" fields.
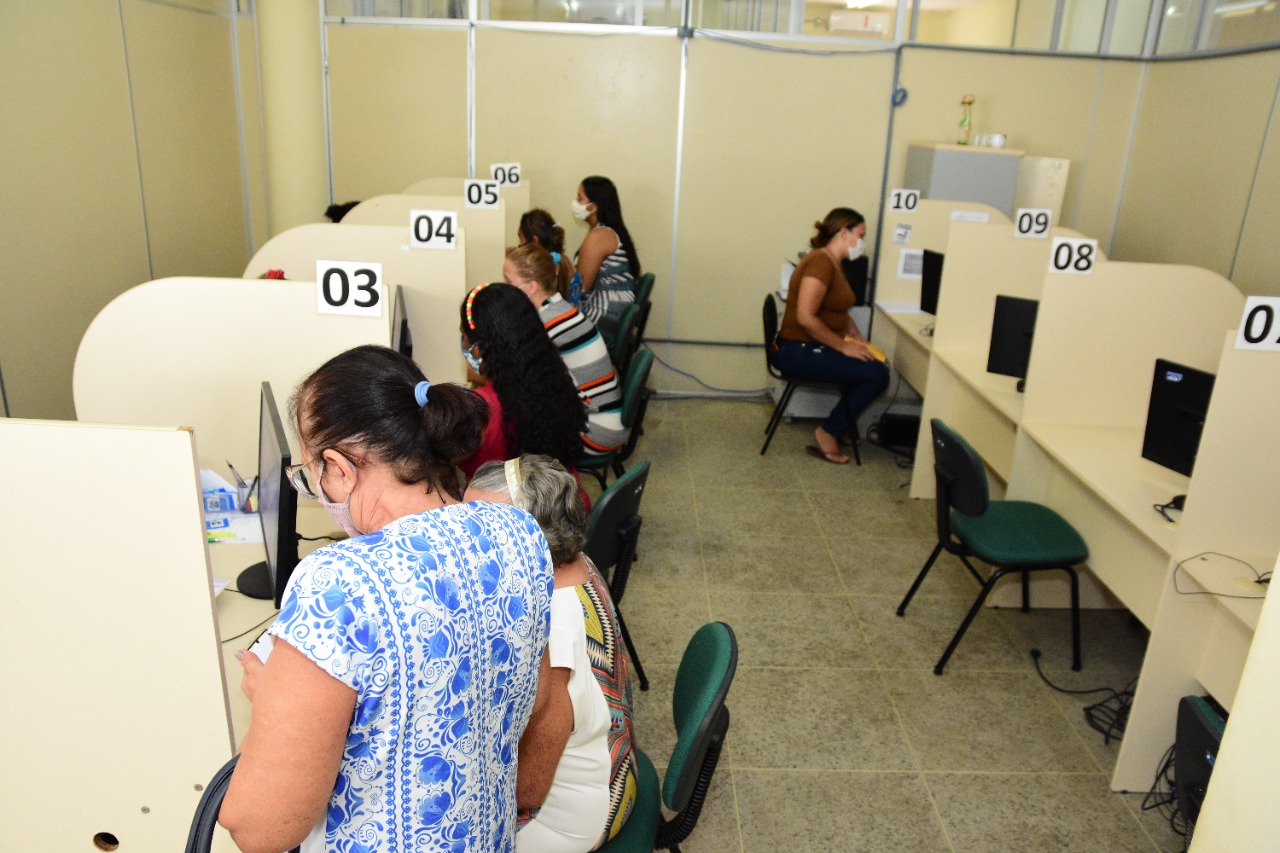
{"x": 1108, "y": 716}
{"x": 1163, "y": 798}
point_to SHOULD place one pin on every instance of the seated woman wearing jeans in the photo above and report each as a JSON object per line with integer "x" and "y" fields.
{"x": 818, "y": 339}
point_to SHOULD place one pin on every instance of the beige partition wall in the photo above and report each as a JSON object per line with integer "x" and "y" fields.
{"x": 397, "y": 106}
{"x": 184, "y": 108}
{"x": 118, "y": 713}
{"x": 434, "y": 280}
{"x": 1056, "y": 106}
{"x": 1194, "y": 157}
{"x": 1257, "y": 263}
{"x": 772, "y": 142}
{"x": 515, "y": 198}
{"x": 487, "y": 237}
{"x": 195, "y": 351}
{"x": 568, "y": 106}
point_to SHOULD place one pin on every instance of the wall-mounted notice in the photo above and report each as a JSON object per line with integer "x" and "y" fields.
{"x": 433, "y": 229}
{"x": 910, "y": 263}
{"x": 349, "y": 287}
{"x": 1260, "y": 325}
{"x": 970, "y": 216}
{"x": 902, "y": 234}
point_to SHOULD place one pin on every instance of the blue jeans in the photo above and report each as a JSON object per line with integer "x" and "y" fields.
{"x": 863, "y": 381}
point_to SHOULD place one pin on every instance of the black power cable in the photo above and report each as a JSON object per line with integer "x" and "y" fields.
{"x": 1107, "y": 716}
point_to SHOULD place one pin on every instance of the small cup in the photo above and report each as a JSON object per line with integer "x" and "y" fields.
{"x": 981, "y": 140}
{"x": 996, "y": 140}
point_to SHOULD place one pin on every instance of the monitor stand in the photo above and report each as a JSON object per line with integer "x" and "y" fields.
{"x": 255, "y": 581}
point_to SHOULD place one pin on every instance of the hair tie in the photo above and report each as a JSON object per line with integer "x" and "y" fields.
{"x": 471, "y": 298}
{"x": 555, "y": 258}
{"x": 512, "y": 469}
{"x": 420, "y": 392}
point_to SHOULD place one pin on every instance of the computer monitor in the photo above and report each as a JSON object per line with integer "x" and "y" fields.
{"x": 1012, "y": 327}
{"x": 1175, "y": 416}
{"x": 401, "y": 338}
{"x": 277, "y": 508}
{"x": 930, "y": 280}
{"x": 856, "y": 272}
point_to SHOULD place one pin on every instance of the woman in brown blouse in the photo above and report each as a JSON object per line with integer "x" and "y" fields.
{"x": 819, "y": 340}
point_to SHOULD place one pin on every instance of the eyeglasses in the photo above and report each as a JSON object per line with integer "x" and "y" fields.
{"x": 297, "y": 474}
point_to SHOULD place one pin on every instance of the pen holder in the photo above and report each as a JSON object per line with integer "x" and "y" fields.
{"x": 242, "y": 497}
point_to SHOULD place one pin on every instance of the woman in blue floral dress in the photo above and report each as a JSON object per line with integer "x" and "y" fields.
{"x": 406, "y": 659}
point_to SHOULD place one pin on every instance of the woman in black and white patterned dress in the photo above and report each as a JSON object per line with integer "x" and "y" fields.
{"x": 606, "y": 260}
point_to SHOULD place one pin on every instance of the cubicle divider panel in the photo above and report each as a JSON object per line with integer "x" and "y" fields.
{"x": 516, "y": 197}
{"x": 195, "y": 351}
{"x": 927, "y": 226}
{"x": 118, "y": 709}
{"x": 1098, "y": 336}
{"x": 434, "y": 280}
{"x": 486, "y": 227}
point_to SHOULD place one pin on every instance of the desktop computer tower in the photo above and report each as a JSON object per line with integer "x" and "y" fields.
{"x": 1201, "y": 722}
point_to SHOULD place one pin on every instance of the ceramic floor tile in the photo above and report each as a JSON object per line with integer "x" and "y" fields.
{"x": 1073, "y": 707}
{"x": 750, "y": 563}
{"x": 717, "y": 830}
{"x": 760, "y": 511}
{"x": 667, "y": 563}
{"x": 822, "y": 812}
{"x": 879, "y": 565}
{"x": 875, "y": 515}
{"x": 793, "y": 630}
{"x": 651, "y": 711}
{"x": 1024, "y": 811}
{"x": 1109, "y": 639}
{"x": 1156, "y": 823}
{"x": 985, "y": 721}
{"x": 918, "y": 639}
{"x": 814, "y": 718}
{"x": 661, "y": 623}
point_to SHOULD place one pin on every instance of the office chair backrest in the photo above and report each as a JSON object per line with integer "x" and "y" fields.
{"x": 205, "y": 819}
{"x": 770, "y": 334}
{"x": 698, "y": 707}
{"x": 634, "y": 386}
{"x": 644, "y": 287}
{"x": 614, "y": 528}
{"x": 961, "y": 477}
{"x": 623, "y": 345}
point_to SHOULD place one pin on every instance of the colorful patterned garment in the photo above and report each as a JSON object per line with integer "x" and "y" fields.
{"x": 586, "y": 356}
{"x": 594, "y": 788}
{"x": 438, "y": 622}
{"x": 614, "y": 289}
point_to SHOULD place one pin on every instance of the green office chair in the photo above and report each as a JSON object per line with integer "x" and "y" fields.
{"x": 702, "y": 720}
{"x": 634, "y": 403}
{"x": 1011, "y": 536}
{"x": 644, "y": 290}
{"x": 612, "y": 534}
{"x": 623, "y": 345}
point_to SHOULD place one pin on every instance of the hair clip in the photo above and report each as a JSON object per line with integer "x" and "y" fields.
{"x": 471, "y": 298}
{"x": 420, "y": 392}
{"x": 512, "y": 470}
{"x": 555, "y": 258}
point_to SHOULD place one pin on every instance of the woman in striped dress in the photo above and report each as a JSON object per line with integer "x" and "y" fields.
{"x": 607, "y": 261}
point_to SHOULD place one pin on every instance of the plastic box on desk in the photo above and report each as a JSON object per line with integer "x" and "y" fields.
{"x": 220, "y": 501}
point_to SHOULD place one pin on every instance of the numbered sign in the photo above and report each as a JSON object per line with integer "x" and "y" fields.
{"x": 904, "y": 201}
{"x": 506, "y": 174}
{"x": 433, "y": 229}
{"x": 349, "y": 287}
{"x": 1032, "y": 222}
{"x": 1260, "y": 325}
{"x": 1074, "y": 255}
{"x": 480, "y": 193}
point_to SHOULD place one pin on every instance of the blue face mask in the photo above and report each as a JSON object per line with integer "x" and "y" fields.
{"x": 470, "y": 356}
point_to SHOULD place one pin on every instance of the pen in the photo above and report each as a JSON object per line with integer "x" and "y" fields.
{"x": 214, "y": 537}
{"x": 234, "y": 473}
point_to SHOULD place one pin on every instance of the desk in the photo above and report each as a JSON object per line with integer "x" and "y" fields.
{"x": 906, "y": 349}
{"x": 1095, "y": 476}
{"x": 238, "y": 613}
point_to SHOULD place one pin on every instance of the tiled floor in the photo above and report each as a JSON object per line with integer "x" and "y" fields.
{"x": 841, "y": 737}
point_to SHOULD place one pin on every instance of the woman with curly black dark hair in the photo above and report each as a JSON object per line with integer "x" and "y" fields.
{"x": 534, "y": 405}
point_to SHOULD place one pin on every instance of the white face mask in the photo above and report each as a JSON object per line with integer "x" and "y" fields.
{"x": 580, "y": 211}
{"x": 855, "y": 251}
{"x": 339, "y": 512}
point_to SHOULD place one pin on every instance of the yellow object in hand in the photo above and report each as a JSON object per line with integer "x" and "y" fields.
{"x": 871, "y": 348}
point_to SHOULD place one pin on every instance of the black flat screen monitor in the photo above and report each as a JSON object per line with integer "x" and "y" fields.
{"x": 930, "y": 280}
{"x": 855, "y": 272}
{"x": 401, "y": 339}
{"x": 1175, "y": 415}
{"x": 277, "y": 508}
{"x": 1012, "y": 327}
